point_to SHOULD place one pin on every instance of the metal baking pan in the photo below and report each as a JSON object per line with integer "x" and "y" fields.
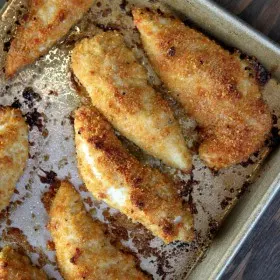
{"x": 52, "y": 152}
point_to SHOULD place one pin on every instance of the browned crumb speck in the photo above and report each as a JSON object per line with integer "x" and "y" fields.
{"x": 220, "y": 90}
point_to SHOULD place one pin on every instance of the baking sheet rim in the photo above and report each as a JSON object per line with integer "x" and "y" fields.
{"x": 274, "y": 188}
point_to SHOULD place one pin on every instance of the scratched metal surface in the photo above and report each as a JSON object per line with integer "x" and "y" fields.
{"x": 52, "y": 152}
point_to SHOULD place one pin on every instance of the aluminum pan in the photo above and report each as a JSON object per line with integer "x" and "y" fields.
{"x": 203, "y": 14}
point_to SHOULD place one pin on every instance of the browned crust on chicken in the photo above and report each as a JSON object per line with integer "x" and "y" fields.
{"x": 217, "y": 88}
{"x": 118, "y": 86}
{"x": 13, "y": 151}
{"x": 82, "y": 248}
{"x": 46, "y": 22}
{"x": 16, "y": 266}
{"x": 144, "y": 194}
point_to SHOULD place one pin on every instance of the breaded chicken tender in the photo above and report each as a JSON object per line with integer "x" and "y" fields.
{"x": 83, "y": 250}
{"x": 46, "y": 22}
{"x": 216, "y": 87}
{"x": 118, "y": 86}
{"x": 16, "y": 266}
{"x": 142, "y": 193}
{"x": 13, "y": 151}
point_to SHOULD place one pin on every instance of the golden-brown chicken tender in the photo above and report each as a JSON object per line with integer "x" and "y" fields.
{"x": 16, "y": 266}
{"x": 217, "y": 88}
{"x": 13, "y": 151}
{"x": 118, "y": 86}
{"x": 83, "y": 250}
{"x": 142, "y": 193}
{"x": 46, "y": 22}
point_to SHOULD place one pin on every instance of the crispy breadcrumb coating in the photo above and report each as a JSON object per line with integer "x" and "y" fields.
{"x": 46, "y": 22}
{"x": 83, "y": 250}
{"x": 13, "y": 151}
{"x": 118, "y": 86}
{"x": 142, "y": 193}
{"x": 216, "y": 87}
{"x": 16, "y": 266}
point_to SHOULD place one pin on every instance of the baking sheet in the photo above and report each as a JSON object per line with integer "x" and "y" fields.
{"x": 52, "y": 152}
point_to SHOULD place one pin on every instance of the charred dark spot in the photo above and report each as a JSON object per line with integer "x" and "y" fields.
{"x": 243, "y": 189}
{"x": 34, "y": 118}
{"x": 75, "y": 258}
{"x": 123, "y": 4}
{"x": 242, "y": 56}
{"x": 71, "y": 119}
{"x": 225, "y": 202}
{"x": 98, "y": 4}
{"x": 159, "y": 12}
{"x": 274, "y": 119}
{"x": 274, "y": 140}
{"x": 171, "y": 51}
{"x": 247, "y": 163}
{"x": 123, "y": 93}
{"x": 108, "y": 27}
{"x": 49, "y": 177}
{"x": 213, "y": 227}
{"x": 6, "y": 46}
{"x": 30, "y": 96}
{"x": 16, "y": 104}
{"x": 262, "y": 75}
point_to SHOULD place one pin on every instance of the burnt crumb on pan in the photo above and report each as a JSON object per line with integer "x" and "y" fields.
{"x": 49, "y": 177}
{"x": 274, "y": 140}
{"x": 88, "y": 201}
{"x": 50, "y": 245}
{"x": 247, "y": 163}
{"x": 225, "y": 202}
{"x": 34, "y": 118}
{"x": 16, "y": 104}
{"x": 30, "y": 96}
{"x": 213, "y": 227}
{"x": 6, "y": 46}
{"x": 108, "y": 27}
{"x": 243, "y": 189}
{"x": 274, "y": 119}
{"x": 262, "y": 75}
{"x": 49, "y": 195}
{"x": 123, "y": 4}
{"x": 186, "y": 190}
